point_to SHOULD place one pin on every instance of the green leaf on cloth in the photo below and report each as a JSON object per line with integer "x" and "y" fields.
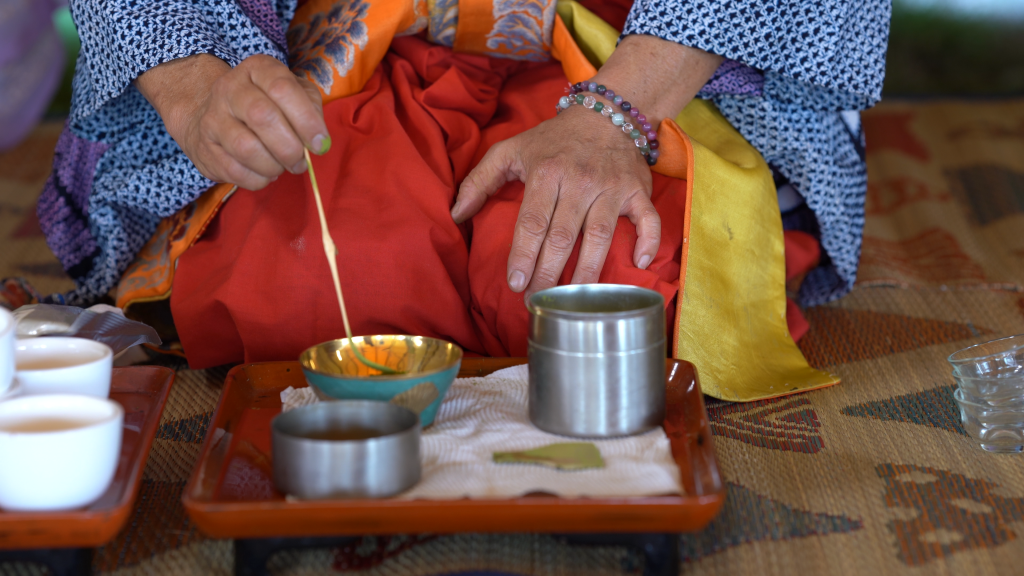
{"x": 563, "y": 456}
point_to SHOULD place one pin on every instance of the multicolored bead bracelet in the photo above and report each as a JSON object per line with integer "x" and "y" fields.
{"x": 642, "y": 134}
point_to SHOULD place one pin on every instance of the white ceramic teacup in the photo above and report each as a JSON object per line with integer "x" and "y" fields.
{"x": 63, "y": 366}
{"x": 58, "y": 452}
{"x": 6, "y": 350}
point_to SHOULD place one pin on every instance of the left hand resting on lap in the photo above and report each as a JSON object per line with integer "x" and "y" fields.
{"x": 584, "y": 182}
{"x": 573, "y": 185}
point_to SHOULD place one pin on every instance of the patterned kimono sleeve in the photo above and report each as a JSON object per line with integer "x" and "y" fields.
{"x": 116, "y": 170}
{"x": 122, "y": 39}
{"x": 819, "y": 54}
{"x": 795, "y": 75}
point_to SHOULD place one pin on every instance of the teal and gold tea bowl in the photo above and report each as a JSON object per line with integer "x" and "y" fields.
{"x": 332, "y": 368}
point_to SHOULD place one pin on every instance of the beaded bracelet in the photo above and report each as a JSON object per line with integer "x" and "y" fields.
{"x": 643, "y": 134}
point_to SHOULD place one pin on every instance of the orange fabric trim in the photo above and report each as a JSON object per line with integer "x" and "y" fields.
{"x": 150, "y": 276}
{"x": 676, "y": 161}
{"x": 383, "y": 20}
{"x": 676, "y": 158}
{"x": 564, "y": 49}
{"x": 476, "y": 19}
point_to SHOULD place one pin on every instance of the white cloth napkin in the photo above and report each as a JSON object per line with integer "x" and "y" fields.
{"x": 480, "y": 416}
{"x": 292, "y": 398}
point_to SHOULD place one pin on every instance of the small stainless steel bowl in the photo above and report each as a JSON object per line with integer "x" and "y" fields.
{"x": 312, "y": 468}
{"x": 597, "y": 360}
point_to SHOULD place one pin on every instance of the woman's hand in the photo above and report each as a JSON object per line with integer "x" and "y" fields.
{"x": 580, "y": 183}
{"x": 245, "y": 125}
{"x": 581, "y": 172}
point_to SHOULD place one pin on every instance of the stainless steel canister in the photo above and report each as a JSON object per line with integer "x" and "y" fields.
{"x": 382, "y": 465}
{"x": 597, "y": 360}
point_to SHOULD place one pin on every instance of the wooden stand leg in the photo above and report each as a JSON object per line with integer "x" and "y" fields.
{"x": 660, "y": 551}
{"x": 60, "y": 561}
{"x": 251, "y": 554}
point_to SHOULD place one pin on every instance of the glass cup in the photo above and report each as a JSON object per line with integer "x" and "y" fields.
{"x": 1002, "y": 358}
{"x": 997, "y": 392}
{"x": 995, "y": 428}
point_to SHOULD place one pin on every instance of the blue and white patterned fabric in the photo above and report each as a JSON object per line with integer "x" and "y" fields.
{"x": 792, "y": 69}
{"x": 818, "y": 58}
{"x": 117, "y": 171}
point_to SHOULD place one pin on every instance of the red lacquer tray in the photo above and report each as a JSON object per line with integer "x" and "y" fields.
{"x": 231, "y": 494}
{"x": 142, "y": 391}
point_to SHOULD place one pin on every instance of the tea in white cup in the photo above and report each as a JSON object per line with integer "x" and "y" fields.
{"x": 58, "y": 452}
{"x": 63, "y": 365}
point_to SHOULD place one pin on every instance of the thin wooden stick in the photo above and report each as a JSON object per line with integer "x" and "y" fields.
{"x": 332, "y": 255}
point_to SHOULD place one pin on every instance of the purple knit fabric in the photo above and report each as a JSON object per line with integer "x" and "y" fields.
{"x": 263, "y": 15}
{"x": 63, "y": 208}
{"x": 735, "y": 79}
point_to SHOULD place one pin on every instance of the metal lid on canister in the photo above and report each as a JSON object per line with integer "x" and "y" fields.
{"x": 597, "y": 318}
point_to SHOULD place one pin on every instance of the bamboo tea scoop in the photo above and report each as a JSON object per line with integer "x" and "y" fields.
{"x": 332, "y": 255}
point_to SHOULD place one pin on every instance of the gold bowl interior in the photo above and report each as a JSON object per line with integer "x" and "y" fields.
{"x": 414, "y": 355}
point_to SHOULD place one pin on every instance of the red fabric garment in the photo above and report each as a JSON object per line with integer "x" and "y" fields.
{"x": 803, "y": 252}
{"x": 795, "y": 321}
{"x": 257, "y": 287}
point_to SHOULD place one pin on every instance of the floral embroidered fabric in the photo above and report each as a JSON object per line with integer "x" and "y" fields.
{"x": 522, "y": 29}
{"x": 328, "y": 43}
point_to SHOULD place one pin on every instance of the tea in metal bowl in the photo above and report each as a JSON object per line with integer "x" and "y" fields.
{"x": 332, "y": 368}
{"x": 346, "y": 449}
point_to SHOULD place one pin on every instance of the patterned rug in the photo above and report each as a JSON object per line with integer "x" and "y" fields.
{"x": 874, "y": 476}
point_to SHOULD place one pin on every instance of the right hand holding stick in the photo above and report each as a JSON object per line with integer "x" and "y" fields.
{"x": 245, "y": 125}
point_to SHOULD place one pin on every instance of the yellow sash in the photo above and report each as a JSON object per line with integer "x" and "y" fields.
{"x": 731, "y": 319}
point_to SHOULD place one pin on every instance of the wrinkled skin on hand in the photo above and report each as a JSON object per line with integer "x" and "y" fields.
{"x": 245, "y": 125}
{"x": 581, "y": 173}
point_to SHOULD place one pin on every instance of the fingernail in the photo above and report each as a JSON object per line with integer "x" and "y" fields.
{"x": 455, "y": 210}
{"x": 517, "y": 281}
{"x": 321, "y": 144}
{"x": 299, "y": 168}
{"x": 645, "y": 261}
